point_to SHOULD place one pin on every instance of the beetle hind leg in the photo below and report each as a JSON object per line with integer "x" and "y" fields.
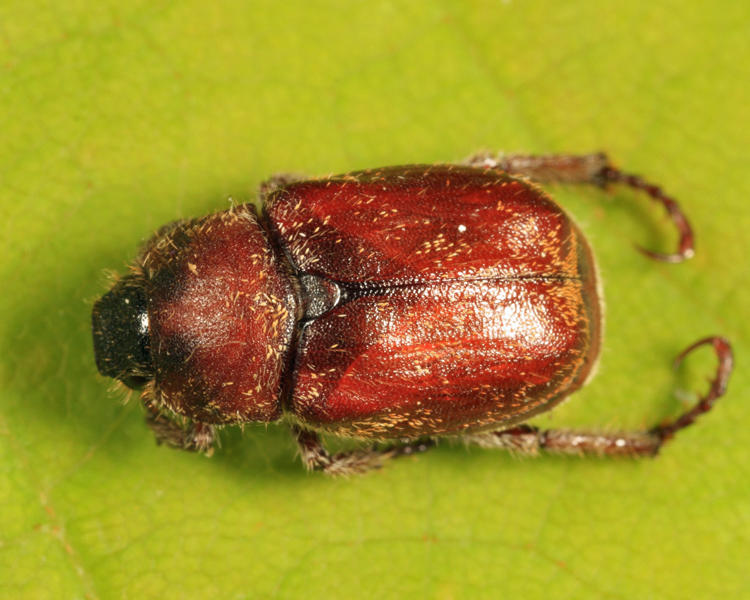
{"x": 717, "y": 389}
{"x": 594, "y": 169}
{"x": 275, "y": 182}
{"x": 353, "y": 462}
{"x": 529, "y": 441}
{"x": 525, "y": 439}
{"x": 547, "y": 168}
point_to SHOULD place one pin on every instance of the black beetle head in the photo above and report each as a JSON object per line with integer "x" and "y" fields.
{"x": 121, "y": 333}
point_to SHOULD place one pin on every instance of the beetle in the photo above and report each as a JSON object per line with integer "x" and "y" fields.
{"x": 393, "y": 305}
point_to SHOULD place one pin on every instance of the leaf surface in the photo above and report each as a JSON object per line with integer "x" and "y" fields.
{"x": 119, "y": 117}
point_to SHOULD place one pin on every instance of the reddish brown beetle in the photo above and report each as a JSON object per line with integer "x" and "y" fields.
{"x": 395, "y": 304}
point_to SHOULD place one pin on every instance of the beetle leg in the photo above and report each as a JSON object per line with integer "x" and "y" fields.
{"x": 530, "y": 440}
{"x": 273, "y": 183}
{"x": 718, "y": 388}
{"x": 195, "y": 437}
{"x": 353, "y": 462}
{"x": 593, "y": 169}
{"x": 525, "y": 439}
{"x": 550, "y": 168}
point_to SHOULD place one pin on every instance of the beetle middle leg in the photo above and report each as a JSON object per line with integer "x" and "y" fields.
{"x": 526, "y": 439}
{"x": 594, "y": 169}
{"x": 316, "y": 457}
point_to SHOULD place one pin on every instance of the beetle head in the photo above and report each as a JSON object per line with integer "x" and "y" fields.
{"x": 120, "y": 325}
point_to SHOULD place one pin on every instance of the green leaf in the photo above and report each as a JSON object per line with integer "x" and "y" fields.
{"x": 118, "y": 117}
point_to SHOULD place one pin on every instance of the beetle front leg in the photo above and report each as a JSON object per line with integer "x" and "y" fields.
{"x": 525, "y": 439}
{"x": 594, "y": 169}
{"x": 353, "y": 462}
{"x": 195, "y": 437}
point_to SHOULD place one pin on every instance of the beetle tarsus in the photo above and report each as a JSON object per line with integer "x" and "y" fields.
{"x": 718, "y": 387}
{"x": 685, "y": 247}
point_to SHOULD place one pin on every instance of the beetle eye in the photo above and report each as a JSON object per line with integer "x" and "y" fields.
{"x": 121, "y": 333}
